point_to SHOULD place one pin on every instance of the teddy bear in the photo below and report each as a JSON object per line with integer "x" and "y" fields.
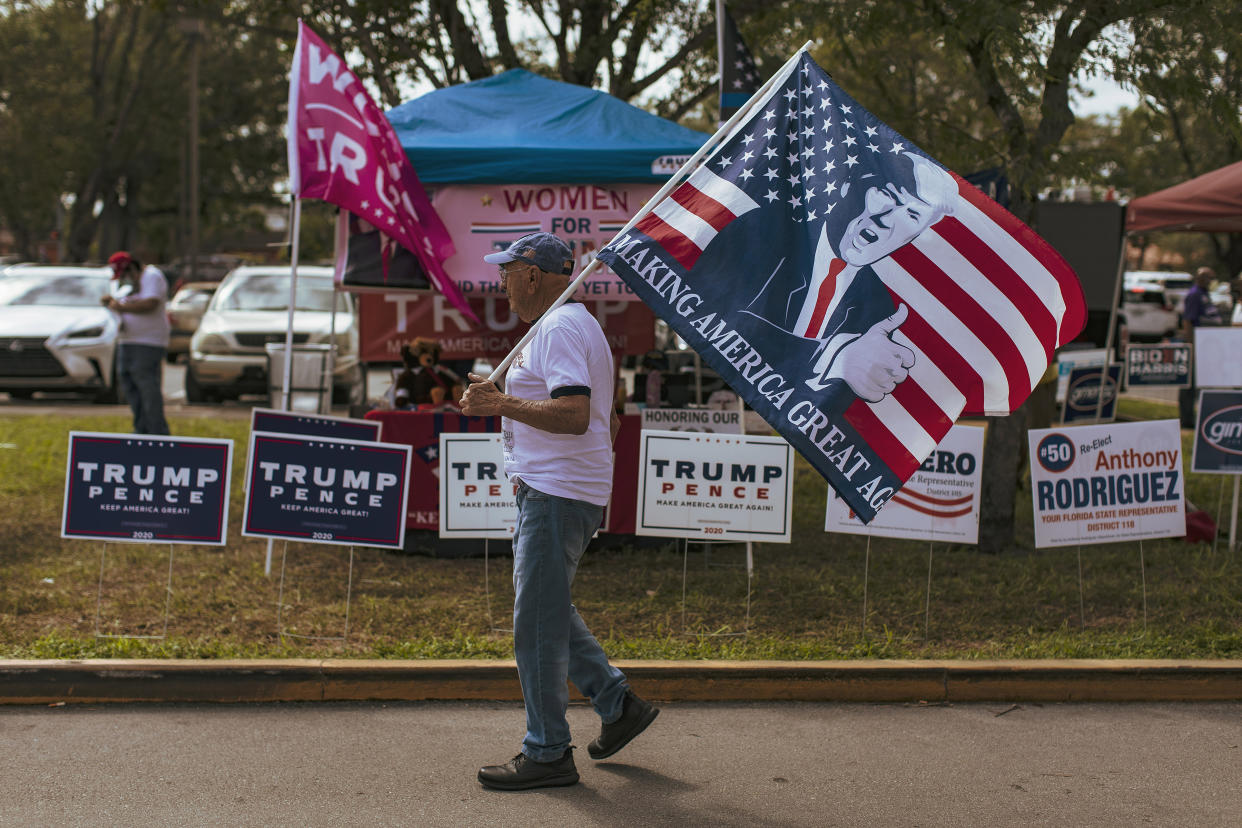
{"x": 425, "y": 384}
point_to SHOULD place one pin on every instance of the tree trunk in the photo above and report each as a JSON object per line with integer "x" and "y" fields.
{"x": 1004, "y": 453}
{"x": 110, "y": 228}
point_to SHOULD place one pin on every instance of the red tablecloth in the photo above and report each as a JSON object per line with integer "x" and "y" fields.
{"x": 422, "y": 429}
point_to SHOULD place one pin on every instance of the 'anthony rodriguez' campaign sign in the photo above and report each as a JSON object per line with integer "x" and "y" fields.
{"x": 326, "y": 490}
{"x": 146, "y": 488}
{"x": 1103, "y": 483}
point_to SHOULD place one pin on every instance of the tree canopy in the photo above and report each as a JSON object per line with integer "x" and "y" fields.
{"x": 100, "y": 143}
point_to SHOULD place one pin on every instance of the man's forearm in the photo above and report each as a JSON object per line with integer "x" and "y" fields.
{"x": 135, "y": 304}
{"x": 561, "y": 415}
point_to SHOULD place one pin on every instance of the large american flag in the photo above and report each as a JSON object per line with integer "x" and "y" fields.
{"x": 766, "y": 260}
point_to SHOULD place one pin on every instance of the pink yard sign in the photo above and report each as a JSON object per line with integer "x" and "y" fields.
{"x": 484, "y": 218}
{"x": 344, "y": 151}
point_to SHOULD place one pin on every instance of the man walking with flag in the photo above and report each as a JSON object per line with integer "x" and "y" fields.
{"x": 558, "y": 429}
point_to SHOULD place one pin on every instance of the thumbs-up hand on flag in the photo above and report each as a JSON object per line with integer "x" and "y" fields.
{"x": 873, "y": 364}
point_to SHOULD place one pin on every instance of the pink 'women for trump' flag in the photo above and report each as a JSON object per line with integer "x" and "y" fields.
{"x": 343, "y": 150}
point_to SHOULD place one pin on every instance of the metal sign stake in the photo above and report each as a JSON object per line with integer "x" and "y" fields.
{"x": 1143, "y": 576}
{"x": 927, "y": 608}
{"x": 1082, "y": 612}
{"x": 103, "y": 554}
{"x": 1220, "y": 513}
{"x": 866, "y": 576}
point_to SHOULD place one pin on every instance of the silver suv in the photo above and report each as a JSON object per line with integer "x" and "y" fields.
{"x": 228, "y": 355}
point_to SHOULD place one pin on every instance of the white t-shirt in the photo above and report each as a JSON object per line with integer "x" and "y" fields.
{"x": 568, "y": 353}
{"x": 145, "y": 328}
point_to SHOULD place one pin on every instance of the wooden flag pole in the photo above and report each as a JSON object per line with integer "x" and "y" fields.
{"x": 726, "y": 129}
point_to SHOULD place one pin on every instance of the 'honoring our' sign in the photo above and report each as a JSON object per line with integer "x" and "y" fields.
{"x": 1218, "y": 434}
{"x": 476, "y": 499}
{"x": 1101, "y": 483}
{"x": 147, "y": 488}
{"x": 714, "y": 486}
{"x": 939, "y": 503}
{"x": 692, "y": 419}
{"x": 326, "y": 490}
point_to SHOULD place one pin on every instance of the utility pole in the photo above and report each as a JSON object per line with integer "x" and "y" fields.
{"x": 194, "y": 30}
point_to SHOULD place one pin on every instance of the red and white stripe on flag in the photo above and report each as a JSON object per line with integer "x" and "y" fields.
{"x": 686, "y": 221}
{"x": 988, "y": 302}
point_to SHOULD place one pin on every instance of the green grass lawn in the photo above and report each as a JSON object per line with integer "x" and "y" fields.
{"x": 806, "y": 598}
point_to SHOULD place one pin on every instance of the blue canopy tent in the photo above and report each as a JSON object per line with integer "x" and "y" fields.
{"x": 518, "y": 128}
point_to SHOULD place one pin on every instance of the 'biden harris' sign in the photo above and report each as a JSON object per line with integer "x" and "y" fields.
{"x": 326, "y": 490}
{"x": 147, "y": 489}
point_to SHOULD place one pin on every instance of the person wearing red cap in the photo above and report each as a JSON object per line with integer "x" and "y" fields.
{"x": 138, "y": 296}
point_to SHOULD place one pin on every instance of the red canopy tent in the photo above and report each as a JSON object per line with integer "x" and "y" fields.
{"x": 1210, "y": 203}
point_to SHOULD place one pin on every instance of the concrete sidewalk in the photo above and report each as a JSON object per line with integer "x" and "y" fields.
{"x": 118, "y": 680}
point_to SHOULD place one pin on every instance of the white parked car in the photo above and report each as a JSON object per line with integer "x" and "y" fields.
{"x": 228, "y": 355}
{"x": 1176, "y": 284}
{"x": 1147, "y": 313}
{"x": 54, "y": 334}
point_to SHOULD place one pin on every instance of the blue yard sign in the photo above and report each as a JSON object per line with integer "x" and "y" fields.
{"x": 146, "y": 488}
{"x": 326, "y": 490}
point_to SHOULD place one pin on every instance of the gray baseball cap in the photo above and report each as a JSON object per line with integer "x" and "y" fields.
{"x": 543, "y": 250}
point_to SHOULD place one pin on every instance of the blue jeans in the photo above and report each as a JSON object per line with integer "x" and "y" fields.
{"x": 140, "y": 370}
{"x": 550, "y": 641}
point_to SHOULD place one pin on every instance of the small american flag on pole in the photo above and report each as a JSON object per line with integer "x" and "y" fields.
{"x": 739, "y": 78}
{"x": 856, "y": 293}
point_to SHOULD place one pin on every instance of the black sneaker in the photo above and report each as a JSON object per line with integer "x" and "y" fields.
{"x": 636, "y": 714}
{"x": 522, "y": 773}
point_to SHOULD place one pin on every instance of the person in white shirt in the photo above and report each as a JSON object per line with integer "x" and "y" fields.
{"x": 558, "y": 427}
{"x": 138, "y": 296}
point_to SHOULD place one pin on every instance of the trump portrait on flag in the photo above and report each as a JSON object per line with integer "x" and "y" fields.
{"x": 840, "y": 303}
{"x": 856, "y": 293}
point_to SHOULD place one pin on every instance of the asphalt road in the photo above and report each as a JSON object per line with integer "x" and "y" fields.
{"x": 699, "y": 764}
